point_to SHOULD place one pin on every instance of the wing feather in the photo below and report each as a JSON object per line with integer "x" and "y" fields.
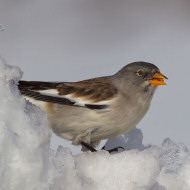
{"x": 93, "y": 93}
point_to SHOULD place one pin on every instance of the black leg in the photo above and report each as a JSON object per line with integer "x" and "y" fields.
{"x": 113, "y": 149}
{"x": 88, "y": 147}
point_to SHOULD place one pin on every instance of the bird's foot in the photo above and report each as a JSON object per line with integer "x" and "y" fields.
{"x": 86, "y": 145}
{"x": 92, "y": 149}
{"x": 116, "y": 149}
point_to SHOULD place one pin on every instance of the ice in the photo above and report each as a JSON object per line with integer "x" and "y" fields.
{"x": 27, "y": 162}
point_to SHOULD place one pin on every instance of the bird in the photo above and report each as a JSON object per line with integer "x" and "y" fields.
{"x": 88, "y": 111}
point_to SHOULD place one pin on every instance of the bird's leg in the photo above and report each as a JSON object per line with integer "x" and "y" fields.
{"x": 113, "y": 149}
{"x": 86, "y": 145}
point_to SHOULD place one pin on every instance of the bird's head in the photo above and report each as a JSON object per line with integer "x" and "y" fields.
{"x": 141, "y": 75}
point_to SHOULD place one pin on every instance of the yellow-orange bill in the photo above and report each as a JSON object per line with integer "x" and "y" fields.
{"x": 158, "y": 79}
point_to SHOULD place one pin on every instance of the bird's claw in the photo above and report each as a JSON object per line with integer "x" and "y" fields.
{"x": 116, "y": 149}
{"x": 92, "y": 149}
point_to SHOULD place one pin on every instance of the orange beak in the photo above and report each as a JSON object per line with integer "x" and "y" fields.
{"x": 158, "y": 79}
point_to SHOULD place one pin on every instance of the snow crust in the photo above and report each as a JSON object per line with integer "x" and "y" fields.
{"x": 28, "y": 162}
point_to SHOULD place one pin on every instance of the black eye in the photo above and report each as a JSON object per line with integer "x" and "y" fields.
{"x": 140, "y": 72}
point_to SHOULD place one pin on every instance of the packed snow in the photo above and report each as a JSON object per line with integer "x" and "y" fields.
{"x": 28, "y": 163}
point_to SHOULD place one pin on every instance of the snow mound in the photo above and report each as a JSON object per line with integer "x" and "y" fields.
{"x": 154, "y": 168}
{"x": 28, "y": 163}
{"x": 24, "y": 137}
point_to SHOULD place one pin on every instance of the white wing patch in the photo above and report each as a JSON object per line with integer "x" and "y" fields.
{"x": 80, "y": 101}
{"x": 52, "y": 92}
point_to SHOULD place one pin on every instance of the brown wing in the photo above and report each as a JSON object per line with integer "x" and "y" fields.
{"x": 95, "y": 90}
{"x": 91, "y": 91}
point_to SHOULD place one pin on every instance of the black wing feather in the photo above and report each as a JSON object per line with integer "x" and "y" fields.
{"x": 24, "y": 89}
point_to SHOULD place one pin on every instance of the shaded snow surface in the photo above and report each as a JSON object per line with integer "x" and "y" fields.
{"x": 28, "y": 163}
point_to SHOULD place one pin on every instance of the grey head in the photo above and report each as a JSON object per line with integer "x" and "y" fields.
{"x": 139, "y": 76}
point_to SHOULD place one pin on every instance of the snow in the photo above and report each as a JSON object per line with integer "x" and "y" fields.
{"x": 28, "y": 162}
{"x": 24, "y": 137}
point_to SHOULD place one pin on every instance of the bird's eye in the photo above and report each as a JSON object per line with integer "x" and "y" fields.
{"x": 140, "y": 73}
